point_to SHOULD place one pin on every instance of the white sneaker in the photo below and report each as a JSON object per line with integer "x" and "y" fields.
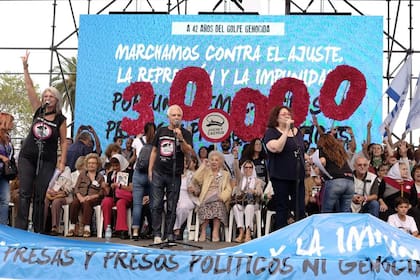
{"x": 157, "y": 240}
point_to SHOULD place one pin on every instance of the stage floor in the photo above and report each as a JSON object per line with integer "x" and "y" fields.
{"x": 147, "y": 242}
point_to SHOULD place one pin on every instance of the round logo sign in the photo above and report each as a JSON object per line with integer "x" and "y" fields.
{"x": 214, "y": 126}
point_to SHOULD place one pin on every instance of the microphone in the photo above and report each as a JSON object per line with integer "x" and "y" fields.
{"x": 291, "y": 126}
{"x": 45, "y": 105}
{"x": 177, "y": 123}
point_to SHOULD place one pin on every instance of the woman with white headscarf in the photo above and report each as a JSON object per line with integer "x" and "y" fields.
{"x": 118, "y": 192}
{"x": 396, "y": 183}
{"x": 245, "y": 198}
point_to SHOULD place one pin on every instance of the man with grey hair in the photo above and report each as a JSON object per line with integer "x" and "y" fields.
{"x": 366, "y": 184}
{"x": 166, "y": 165}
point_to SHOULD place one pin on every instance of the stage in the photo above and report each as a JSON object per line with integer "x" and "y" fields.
{"x": 323, "y": 246}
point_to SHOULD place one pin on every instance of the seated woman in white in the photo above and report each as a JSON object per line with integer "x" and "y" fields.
{"x": 185, "y": 201}
{"x": 245, "y": 198}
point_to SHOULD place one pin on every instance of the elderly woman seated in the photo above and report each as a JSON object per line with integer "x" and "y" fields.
{"x": 88, "y": 193}
{"x": 211, "y": 184}
{"x": 245, "y": 198}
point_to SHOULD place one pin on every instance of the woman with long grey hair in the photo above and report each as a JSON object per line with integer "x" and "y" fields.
{"x": 38, "y": 156}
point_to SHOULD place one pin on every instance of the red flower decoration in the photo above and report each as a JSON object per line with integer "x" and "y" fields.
{"x": 203, "y": 94}
{"x": 238, "y": 114}
{"x": 300, "y": 101}
{"x": 354, "y": 96}
{"x": 144, "y": 107}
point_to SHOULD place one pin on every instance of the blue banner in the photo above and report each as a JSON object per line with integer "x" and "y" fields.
{"x": 236, "y": 53}
{"x": 324, "y": 246}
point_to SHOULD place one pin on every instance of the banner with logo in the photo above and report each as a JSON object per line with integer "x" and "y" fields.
{"x": 131, "y": 67}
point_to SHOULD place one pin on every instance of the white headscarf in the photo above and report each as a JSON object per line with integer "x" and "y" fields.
{"x": 248, "y": 182}
{"x": 394, "y": 171}
{"x": 123, "y": 161}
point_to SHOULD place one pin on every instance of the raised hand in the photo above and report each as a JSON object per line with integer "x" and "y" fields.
{"x": 25, "y": 59}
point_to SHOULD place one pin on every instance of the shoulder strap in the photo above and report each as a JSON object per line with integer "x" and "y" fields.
{"x": 266, "y": 160}
{"x": 12, "y": 152}
{"x": 228, "y": 168}
{"x": 142, "y": 141}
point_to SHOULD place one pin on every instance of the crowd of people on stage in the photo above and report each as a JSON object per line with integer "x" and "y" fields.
{"x": 162, "y": 177}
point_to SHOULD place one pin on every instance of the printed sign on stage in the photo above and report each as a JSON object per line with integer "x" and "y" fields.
{"x": 327, "y": 246}
{"x": 130, "y": 67}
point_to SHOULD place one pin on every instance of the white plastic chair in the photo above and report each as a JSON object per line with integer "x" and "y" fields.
{"x": 197, "y": 229}
{"x": 268, "y": 221}
{"x": 12, "y": 214}
{"x": 192, "y": 228}
{"x": 115, "y": 208}
{"x": 232, "y": 224}
{"x": 66, "y": 219}
{"x": 99, "y": 220}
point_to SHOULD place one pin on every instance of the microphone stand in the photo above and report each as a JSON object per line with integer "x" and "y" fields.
{"x": 37, "y": 215}
{"x": 170, "y": 243}
{"x": 298, "y": 156}
{"x": 40, "y": 141}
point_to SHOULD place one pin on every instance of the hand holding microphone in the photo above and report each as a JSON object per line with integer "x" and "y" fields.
{"x": 177, "y": 130}
{"x": 44, "y": 106}
{"x": 290, "y": 124}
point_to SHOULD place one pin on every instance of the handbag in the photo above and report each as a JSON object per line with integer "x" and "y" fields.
{"x": 243, "y": 199}
{"x": 54, "y": 195}
{"x": 237, "y": 199}
{"x": 124, "y": 194}
{"x": 10, "y": 170}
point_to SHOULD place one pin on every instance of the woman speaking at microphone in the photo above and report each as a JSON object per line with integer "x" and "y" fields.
{"x": 38, "y": 155}
{"x": 286, "y": 149}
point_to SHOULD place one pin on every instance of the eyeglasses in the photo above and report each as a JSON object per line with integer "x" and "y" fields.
{"x": 248, "y": 167}
{"x": 363, "y": 164}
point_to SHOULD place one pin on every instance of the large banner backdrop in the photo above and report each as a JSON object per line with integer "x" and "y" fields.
{"x": 130, "y": 67}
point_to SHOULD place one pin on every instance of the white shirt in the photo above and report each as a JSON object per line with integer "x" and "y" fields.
{"x": 137, "y": 144}
{"x": 409, "y": 225}
{"x": 229, "y": 159}
{"x": 363, "y": 189}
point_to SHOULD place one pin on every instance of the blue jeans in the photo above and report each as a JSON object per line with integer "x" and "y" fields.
{"x": 164, "y": 184}
{"x": 141, "y": 187}
{"x": 371, "y": 207}
{"x": 4, "y": 201}
{"x": 338, "y": 195}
